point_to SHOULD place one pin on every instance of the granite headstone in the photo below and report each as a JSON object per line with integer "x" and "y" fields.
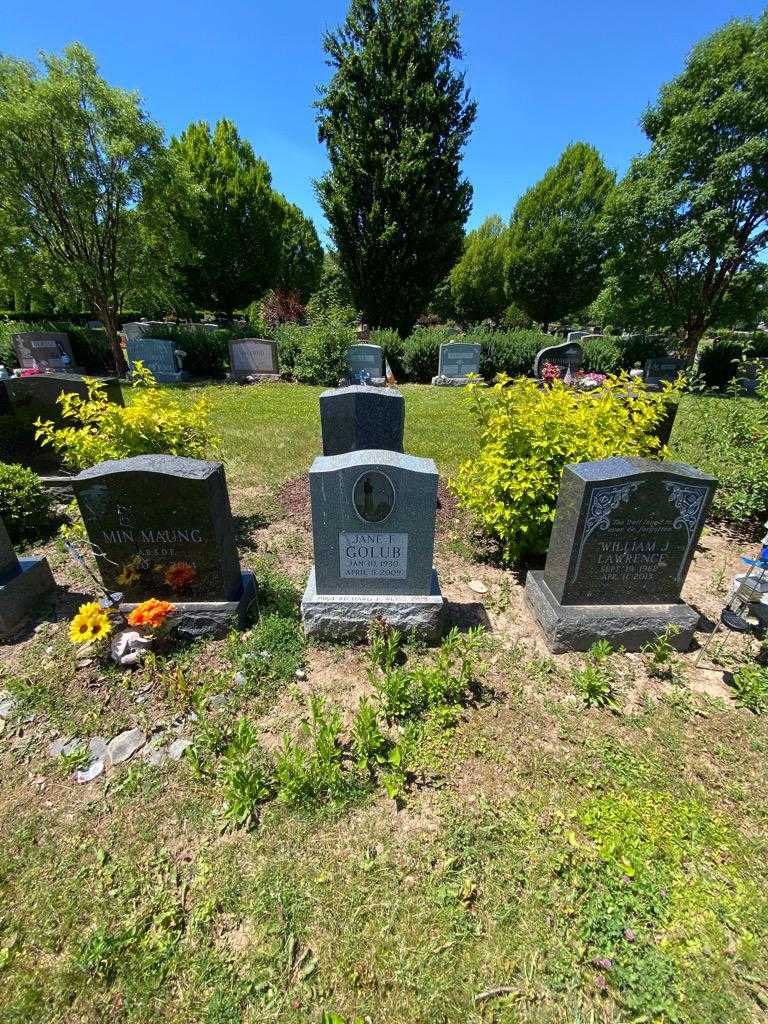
{"x": 23, "y": 583}
{"x": 50, "y": 349}
{"x": 359, "y": 417}
{"x": 42, "y": 391}
{"x": 254, "y": 358}
{"x": 624, "y": 535}
{"x": 663, "y": 368}
{"x": 365, "y": 362}
{"x": 568, "y": 356}
{"x": 373, "y": 524}
{"x": 159, "y": 355}
{"x": 161, "y": 526}
{"x": 456, "y": 361}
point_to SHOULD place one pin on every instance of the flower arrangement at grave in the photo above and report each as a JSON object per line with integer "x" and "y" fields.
{"x": 550, "y": 373}
{"x": 96, "y": 622}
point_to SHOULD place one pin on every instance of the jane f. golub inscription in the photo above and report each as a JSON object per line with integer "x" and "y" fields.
{"x": 161, "y": 526}
{"x": 373, "y": 556}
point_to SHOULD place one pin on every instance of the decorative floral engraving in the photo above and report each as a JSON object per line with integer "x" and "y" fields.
{"x": 689, "y": 500}
{"x": 603, "y": 501}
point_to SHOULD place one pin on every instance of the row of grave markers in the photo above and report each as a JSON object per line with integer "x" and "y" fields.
{"x": 161, "y": 526}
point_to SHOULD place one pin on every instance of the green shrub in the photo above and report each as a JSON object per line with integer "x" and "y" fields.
{"x": 601, "y": 355}
{"x": 290, "y": 338}
{"x": 394, "y": 350}
{"x": 636, "y": 348}
{"x": 25, "y": 507}
{"x": 528, "y": 434}
{"x": 207, "y": 352}
{"x": 511, "y": 352}
{"x": 421, "y": 353}
{"x": 321, "y": 358}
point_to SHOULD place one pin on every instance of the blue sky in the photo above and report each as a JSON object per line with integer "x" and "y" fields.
{"x": 543, "y": 73}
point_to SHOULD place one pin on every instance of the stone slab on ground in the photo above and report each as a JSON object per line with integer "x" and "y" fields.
{"x": 348, "y": 616}
{"x": 21, "y": 595}
{"x": 194, "y": 619}
{"x": 576, "y": 627}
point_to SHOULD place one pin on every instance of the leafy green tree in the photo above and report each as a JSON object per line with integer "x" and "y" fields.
{"x": 691, "y": 216}
{"x": 82, "y": 168}
{"x": 477, "y": 280}
{"x": 555, "y": 247}
{"x": 333, "y": 291}
{"x": 301, "y": 254}
{"x": 233, "y": 221}
{"x": 395, "y": 118}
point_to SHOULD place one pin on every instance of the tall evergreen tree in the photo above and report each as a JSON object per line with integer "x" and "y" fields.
{"x": 477, "y": 280}
{"x": 555, "y": 245}
{"x": 301, "y": 254}
{"x": 233, "y": 221}
{"x": 395, "y": 118}
{"x": 690, "y": 219}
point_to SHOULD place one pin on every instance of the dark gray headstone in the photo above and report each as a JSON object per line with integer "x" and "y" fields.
{"x": 23, "y": 584}
{"x": 367, "y": 359}
{"x": 663, "y": 368}
{"x": 9, "y": 563}
{"x": 626, "y": 530}
{"x": 158, "y": 355}
{"x": 458, "y": 359}
{"x": 43, "y": 390}
{"x": 359, "y": 417}
{"x": 167, "y": 516}
{"x": 576, "y": 336}
{"x": 567, "y": 356}
{"x": 373, "y": 522}
{"x": 44, "y": 348}
{"x": 252, "y": 357}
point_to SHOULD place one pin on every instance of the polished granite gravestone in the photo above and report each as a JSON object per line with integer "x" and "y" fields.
{"x": 366, "y": 361}
{"x": 625, "y": 532}
{"x": 41, "y": 392}
{"x": 44, "y": 349}
{"x": 457, "y": 360}
{"x": 161, "y": 526}
{"x": 576, "y": 336}
{"x": 24, "y": 583}
{"x": 160, "y": 356}
{"x": 567, "y": 356}
{"x": 373, "y": 526}
{"x": 253, "y": 359}
{"x": 662, "y": 368}
{"x": 360, "y": 417}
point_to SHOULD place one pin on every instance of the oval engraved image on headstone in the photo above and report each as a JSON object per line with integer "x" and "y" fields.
{"x": 373, "y": 497}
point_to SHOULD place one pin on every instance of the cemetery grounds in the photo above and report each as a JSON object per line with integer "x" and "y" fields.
{"x": 540, "y": 859}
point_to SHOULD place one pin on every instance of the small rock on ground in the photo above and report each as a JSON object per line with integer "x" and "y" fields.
{"x": 125, "y": 745}
{"x": 93, "y": 771}
{"x": 478, "y": 586}
{"x": 7, "y": 704}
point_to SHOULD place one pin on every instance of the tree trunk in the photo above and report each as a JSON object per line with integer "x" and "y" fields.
{"x": 108, "y": 316}
{"x": 693, "y": 335}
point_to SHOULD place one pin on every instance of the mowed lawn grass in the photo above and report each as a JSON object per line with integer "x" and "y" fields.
{"x": 271, "y": 432}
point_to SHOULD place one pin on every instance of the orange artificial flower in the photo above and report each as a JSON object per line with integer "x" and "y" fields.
{"x": 180, "y": 575}
{"x": 152, "y": 613}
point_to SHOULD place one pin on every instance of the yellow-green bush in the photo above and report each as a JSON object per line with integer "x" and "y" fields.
{"x": 153, "y": 423}
{"x": 529, "y": 433}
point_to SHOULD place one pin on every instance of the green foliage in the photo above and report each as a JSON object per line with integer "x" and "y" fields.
{"x": 84, "y": 180}
{"x": 750, "y": 688}
{"x": 510, "y": 352}
{"x": 555, "y": 246}
{"x": 663, "y": 661}
{"x": 690, "y": 218}
{"x": 394, "y": 350}
{"x": 602, "y": 355}
{"x": 301, "y": 255}
{"x": 596, "y": 680}
{"x": 315, "y": 774}
{"x": 246, "y": 780}
{"x": 25, "y": 506}
{"x": 528, "y": 434}
{"x": 272, "y": 651}
{"x": 232, "y": 220}
{"x": 333, "y": 291}
{"x": 421, "y": 353}
{"x": 397, "y": 204}
{"x": 207, "y": 352}
{"x": 719, "y": 361}
{"x": 154, "y": 422}
{"x": 370, "y": 746}
{"x": 477, "y": 280}
{"x": 317, "y": 354}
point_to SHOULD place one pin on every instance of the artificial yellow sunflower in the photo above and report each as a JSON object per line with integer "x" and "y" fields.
{"x": 130, "y": 574}
{"x": 91, "y": 623}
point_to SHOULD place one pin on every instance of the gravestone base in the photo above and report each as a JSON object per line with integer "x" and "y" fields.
{"x": 348, "y": 616}
{"x": 374, "y": 382}
{"x": 21, "y": 594}
{"x": 193, "y": 619}
{"x": 576, "y": 627}
{"x": 450, "y": 382}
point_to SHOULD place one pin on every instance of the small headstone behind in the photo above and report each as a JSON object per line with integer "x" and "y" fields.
{"x": 577, "y": 336}
{"x": 358, "y": 417}
{"x": 160, "y": 356}
{"x": 365, "y": 365}
{"x": 23, "y": 583}
{"x": 161, "y": 526}
{"x": 44, "y": 349}
{"x": 373, "y": 525}
{"x": 457, "y": 361}
{"x": 253, "y": 359}
{"x": 663, "y": 368}
{"x": 624, "y": 535}
{"x": 567, "y": 357}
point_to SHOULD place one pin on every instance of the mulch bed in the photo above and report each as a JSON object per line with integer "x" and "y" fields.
{"x": 294, "y": 498}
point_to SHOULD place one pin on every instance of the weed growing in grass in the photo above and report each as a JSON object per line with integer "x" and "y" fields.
{"x": 750, "y": 686}
{"x": 246, "y": 779}
{"x": 596, "y": 681}
{"x": 316, "y": 774}
{"x": 662, "y": 659}
{"x": 211, "y": 738}
{"x": 369, "y": 745}
{"x": 76, "y": 759}
{"x": 386, "y": 644}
